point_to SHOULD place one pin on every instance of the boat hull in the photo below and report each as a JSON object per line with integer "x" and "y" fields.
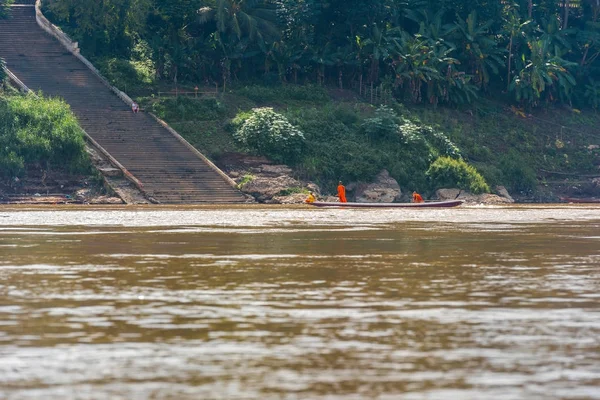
{"x": 580, "y": 200}
{"x": 431, "y": 204}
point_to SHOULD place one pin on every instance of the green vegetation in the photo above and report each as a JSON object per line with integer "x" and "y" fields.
{"x": 353, "y": 141}
{"x": 268, "y": 133}
{"x": 532, "y": 52}
{"x": 446, "y": 172}
{"x": 497, "y": 86}
{"x": 4, "y": 4}
{"x": 41, "y": 133}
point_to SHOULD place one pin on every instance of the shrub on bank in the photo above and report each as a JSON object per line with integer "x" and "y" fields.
{"x": 270, "y": 134}
{"x": 40, "y": 132}
{"x": 446, "y": 172}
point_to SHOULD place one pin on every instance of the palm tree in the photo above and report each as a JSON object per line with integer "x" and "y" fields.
{"x": 254, "y": 20}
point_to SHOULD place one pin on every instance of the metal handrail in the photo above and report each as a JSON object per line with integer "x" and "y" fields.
{"x": 73, "y": 47}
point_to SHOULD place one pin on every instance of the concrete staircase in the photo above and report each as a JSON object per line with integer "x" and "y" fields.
{"x": 170, "y": 172}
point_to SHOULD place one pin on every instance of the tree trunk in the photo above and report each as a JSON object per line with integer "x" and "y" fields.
{"x": 566, "y": 14}
{"x": 509, "y": 62}
{"x": 530, "y": 8}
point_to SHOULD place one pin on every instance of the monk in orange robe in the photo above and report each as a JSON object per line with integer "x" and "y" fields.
{"x": 417, "y": 198}
{"x": 341, "y": 192}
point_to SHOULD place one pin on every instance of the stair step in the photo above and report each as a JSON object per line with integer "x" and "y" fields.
{"x": 169, "y": 171}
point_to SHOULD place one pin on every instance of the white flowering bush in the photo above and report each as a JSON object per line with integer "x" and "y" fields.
{"x": 270, "y": 134}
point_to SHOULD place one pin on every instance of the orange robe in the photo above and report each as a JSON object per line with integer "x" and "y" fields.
{"x": 417, "y": 198}
{"x": 311, "y": 199}
{"x": 342, "y": 193}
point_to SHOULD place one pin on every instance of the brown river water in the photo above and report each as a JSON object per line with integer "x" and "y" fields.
{"x": 300, "y": 303}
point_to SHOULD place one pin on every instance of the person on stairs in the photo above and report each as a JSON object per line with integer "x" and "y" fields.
{"x": 135, "y": 107}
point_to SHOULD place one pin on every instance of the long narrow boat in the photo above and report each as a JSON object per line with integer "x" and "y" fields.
{"x": 429, "y": 204}
{"x": 580, "y": 199}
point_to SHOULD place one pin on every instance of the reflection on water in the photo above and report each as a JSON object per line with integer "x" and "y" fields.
{"x": 283, "y": 303}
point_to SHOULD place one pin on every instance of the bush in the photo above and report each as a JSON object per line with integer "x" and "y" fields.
{"x": 188, "y": 109}
{"x": 383, "y": 126}
{"x": 265, "y": 94}
{"x": 5, "y": 7}
{"x": 446, "y": 172}
{"x": 40, "y": 132}
{"x": 126, "y": 75}
{"x": 270, "y": 134}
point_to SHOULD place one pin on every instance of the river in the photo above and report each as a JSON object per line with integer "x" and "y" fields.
{"x": 300, "y": 303}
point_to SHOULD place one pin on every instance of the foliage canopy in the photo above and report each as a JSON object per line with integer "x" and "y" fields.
{"x": 424, "y": 51}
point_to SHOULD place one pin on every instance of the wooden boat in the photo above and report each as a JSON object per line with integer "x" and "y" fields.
{"x": 429, "y": 204}
{"x": 580, "y": 200}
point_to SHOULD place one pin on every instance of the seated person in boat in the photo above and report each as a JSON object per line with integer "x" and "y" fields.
{"x": 417, "y": 198}
{"x": 311, "y": 198}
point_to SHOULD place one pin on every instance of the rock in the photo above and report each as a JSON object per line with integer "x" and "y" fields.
{"x": 488, "y": 198}
{"x": 447, "y": 194}
{"x": 83, "y": 194}
{"x": 264, "y": 189}
{"x": 110, "y": 171}
{"x": 470, "y": 198}
{"x": 502, "y": 192}
{"x": 274, "y": 170}
{"x": 384, "y": 189}
{"x": 296, "y": 198}
{"x": 313, "y": 187}
{"x": 106, "y": 200}
{"x": 331, "y": 199}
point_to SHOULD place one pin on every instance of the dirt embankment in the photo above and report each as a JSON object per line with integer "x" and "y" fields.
{"x": 48, "y": 187}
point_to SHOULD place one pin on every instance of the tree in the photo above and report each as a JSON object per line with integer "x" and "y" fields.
{"x": 542, "y": 74}
{"x": 479, "y": 50}
{"x": 238, "y": 20}
{"x": 5, "y": 8}
{"x": 515, "y": 28}
{"x": 101, "y": 26}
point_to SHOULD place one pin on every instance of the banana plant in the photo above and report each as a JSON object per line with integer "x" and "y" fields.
{"x": 516, "y": 29}
{"x": 425, "y": 69}
{"x": 542, "y": 74}
{"x": 557, "y": 38}
{"x": 379, "y": 47}
{"x": 479, "y": 50}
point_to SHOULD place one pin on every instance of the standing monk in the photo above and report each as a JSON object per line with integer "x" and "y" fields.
{"x": 341, "y": 192}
